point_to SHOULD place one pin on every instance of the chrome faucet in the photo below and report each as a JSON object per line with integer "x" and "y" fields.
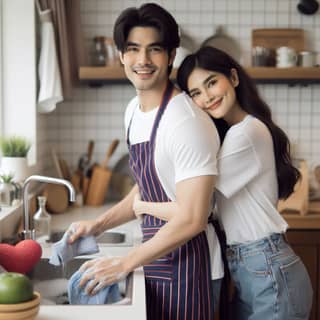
{"x": 27, "y": 233}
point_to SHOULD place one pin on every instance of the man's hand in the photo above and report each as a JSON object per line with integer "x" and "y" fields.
{"x": 101, "y": 272}
{"x": 83, "y": 228}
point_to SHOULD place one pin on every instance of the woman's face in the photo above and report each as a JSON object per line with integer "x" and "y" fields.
{"x": 214, "y": 92}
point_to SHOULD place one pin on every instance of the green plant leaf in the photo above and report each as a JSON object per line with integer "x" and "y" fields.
{"x": 14, "y": 146}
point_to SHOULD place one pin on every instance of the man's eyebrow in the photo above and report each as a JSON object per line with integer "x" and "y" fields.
{"x": 130, "y": 43}
{"x": 154, "y": 44}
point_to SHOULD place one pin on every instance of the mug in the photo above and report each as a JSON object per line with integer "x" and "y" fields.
{"x": 286, "y": 57}
{"x": 306, "y": 59}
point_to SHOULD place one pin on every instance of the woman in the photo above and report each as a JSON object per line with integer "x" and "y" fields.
{"x": 255, "y": 170}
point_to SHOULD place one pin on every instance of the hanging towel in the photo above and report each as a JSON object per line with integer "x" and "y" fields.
{"x": 107, "y": 295}
{"x": 62, "y": 251}
{"x": 49, "y": 74}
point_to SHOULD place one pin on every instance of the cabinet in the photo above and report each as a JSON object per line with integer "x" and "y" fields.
{"x": 306, "y": 243}
{"x": 295, "y": 75}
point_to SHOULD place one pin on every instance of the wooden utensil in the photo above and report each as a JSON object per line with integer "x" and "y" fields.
{"x": 65, "y": 169}
{"x": 85, "y": 177}
{"x": 56, "y": 163}
{"x": 100, "y": 179}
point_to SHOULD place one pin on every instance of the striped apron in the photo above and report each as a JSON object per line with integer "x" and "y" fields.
{"x": 178, "y": 285}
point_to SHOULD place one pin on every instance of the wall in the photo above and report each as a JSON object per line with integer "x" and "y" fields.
{"x": 19, "y": 74}
{"x": 96, "y": 113}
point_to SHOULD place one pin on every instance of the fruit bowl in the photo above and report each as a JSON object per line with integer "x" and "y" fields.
{"x": 21, "y": 311}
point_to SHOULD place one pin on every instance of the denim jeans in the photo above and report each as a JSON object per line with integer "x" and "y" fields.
{"x": 271, "y": 282}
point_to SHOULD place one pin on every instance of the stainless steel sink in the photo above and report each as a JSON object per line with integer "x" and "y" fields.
{"x": 111, "y": 237}
{"x": 52, "y": 281}
{"x": 108, "y": 237}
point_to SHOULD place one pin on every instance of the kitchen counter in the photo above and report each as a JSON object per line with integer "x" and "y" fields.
{"x": 309, "y": 221}
{"x": 135, "y": 310}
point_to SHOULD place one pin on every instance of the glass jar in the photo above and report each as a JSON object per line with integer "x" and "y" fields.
{"x": 99, "y": 53}
{"x": 42, "y": 220}
{"x": 7, "y": 194}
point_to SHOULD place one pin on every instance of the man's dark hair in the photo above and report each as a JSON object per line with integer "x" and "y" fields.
{"x": 148, "y": 15}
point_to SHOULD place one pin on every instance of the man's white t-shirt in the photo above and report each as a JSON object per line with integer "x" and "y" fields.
{"x": 186, "y": 146}
{"x": 247, "y": 184}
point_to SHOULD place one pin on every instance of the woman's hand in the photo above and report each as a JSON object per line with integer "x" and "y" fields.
{"x": 137, "y": 206}
{"x": 83, "y": 228}
{"x": 101, "y": 272}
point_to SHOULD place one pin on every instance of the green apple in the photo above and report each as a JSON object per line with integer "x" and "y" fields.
{"x": 15, "y": 288}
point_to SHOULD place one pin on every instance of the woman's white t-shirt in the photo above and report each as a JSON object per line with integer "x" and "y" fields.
{"x": 247, "y": 184}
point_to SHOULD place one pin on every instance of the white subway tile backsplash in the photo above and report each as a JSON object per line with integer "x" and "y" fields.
{"x": 97, "y": 113}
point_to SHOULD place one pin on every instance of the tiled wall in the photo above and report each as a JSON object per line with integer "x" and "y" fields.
{"x": 97, "y": 113}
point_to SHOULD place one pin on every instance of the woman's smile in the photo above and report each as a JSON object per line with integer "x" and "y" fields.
{"x": 214, "y": 105}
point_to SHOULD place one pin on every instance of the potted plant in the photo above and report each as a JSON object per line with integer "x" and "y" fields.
{"x": 14, "y": 156}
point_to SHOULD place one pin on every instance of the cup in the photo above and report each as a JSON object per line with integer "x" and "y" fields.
{"x": 306, "y": 59}
{"x": 286, "y": 57}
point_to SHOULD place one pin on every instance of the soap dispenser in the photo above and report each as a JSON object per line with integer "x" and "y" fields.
{"x": 41, "y": 220}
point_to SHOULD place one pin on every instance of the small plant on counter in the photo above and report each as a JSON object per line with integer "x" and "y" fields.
{"x": 6, "y": 178}
{"x": 14, "y": 146}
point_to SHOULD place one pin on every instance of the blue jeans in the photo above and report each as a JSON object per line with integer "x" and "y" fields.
{"x": 271, "y": 281}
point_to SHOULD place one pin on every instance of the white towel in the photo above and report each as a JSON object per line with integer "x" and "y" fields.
{"x": 49, "y": 74}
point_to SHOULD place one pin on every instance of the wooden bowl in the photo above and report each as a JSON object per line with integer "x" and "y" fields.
{"x": 26, "y": 314}
{"x": 6, "y": 308}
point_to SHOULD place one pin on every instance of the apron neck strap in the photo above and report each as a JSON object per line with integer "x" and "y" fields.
{"x": 164, "y": 102}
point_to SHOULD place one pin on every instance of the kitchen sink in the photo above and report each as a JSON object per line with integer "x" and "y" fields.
{"x": 111, "y": 237}
{"x": 52, "y": 281}
{"x": 106, "y": 238}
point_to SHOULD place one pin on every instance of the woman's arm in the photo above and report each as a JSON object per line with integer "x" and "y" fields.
{"x": 162, "y": 210}
{"x": 193, "y": 202}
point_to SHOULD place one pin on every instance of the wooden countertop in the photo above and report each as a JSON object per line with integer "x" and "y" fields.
{"x": 308, "y": 221}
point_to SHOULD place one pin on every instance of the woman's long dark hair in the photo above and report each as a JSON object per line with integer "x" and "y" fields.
{"x": 213, "y": 59}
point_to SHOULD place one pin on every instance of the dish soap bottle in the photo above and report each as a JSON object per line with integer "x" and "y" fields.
{"x": 41, "y": 220}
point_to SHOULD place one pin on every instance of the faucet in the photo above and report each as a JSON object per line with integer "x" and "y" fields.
{"x": 27, "y": 233}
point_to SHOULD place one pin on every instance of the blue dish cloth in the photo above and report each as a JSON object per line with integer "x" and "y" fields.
{"x": 76, "y": 295}
{"x": 63, "y": 252}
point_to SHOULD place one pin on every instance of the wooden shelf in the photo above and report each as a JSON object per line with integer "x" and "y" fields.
{"x": 294, "y": 75}
{"x": 284, "y": 75}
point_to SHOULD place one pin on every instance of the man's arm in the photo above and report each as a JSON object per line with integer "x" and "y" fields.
{"x": 193, "y": 203}
{"x": 119, "y": 214}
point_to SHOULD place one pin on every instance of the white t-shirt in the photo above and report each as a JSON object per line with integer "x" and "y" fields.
{"x": 186, "y": 146}
{"x": 247, "y": 184}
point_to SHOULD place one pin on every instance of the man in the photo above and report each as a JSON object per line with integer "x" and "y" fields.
{"x": 172, "y": 146}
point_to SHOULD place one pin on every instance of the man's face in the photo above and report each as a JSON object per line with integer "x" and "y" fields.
{"x": 145, "y": 60}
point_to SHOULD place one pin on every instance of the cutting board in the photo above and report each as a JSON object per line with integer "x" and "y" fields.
{"x": 100, "y": 179}
{"x": 57, "y": 198}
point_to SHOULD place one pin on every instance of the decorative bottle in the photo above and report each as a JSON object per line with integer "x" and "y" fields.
{"x": 42, "y": 219}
